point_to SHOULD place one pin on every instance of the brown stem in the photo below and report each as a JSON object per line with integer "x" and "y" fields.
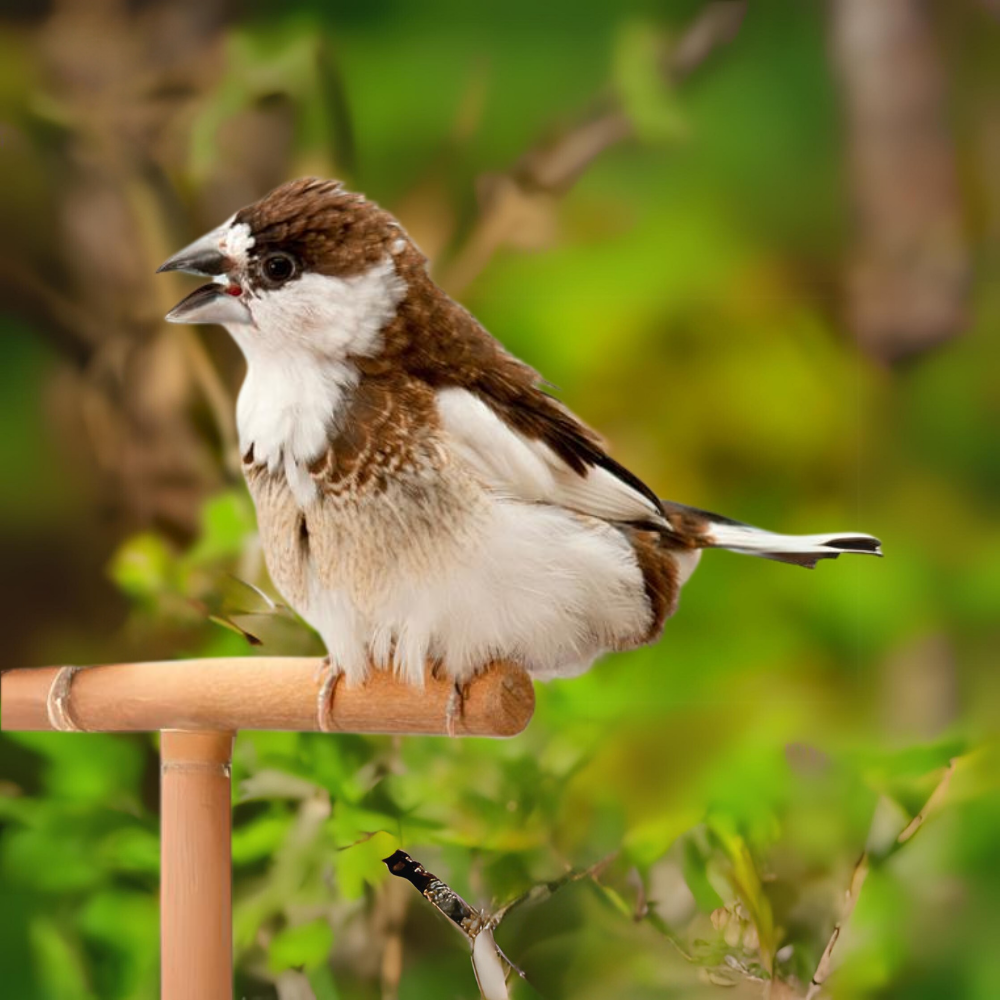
{"x": 548, "y": 170}
{"x": 860, "y": 873}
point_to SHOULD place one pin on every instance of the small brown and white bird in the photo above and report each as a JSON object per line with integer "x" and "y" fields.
{"x": 420, "y": 498}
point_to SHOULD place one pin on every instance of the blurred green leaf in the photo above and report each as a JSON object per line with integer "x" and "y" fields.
{"x": 143, "y": 567}
{"x": 306, "y": 946}
{"x": 60, "y": 961}
{"x": 227, "y": 520}
{"x": 643, "y": 84}
{"x": 742, "y": 873}
{"x": 694, "y": 865}
{"x": 259, "y": 839}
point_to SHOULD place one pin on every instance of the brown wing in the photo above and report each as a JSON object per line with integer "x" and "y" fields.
{"x": 435, "y": 340}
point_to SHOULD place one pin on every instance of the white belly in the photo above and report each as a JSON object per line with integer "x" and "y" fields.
{"x": 529, "y": 583}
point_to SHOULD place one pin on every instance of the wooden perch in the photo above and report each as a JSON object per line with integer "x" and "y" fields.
{"x": 196, "y": 921}
{"x": 254, "y": 693}
{"x": 200, "y": 705}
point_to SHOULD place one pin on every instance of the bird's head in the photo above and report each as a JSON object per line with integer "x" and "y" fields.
{"x": 308, "y": 266}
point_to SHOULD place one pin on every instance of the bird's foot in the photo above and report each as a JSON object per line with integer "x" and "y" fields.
{"x": 328, "y": 677}
{"x": 456, "y": 707}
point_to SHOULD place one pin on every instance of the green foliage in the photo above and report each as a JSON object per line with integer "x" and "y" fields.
{"x": 724, "y": 782}
{"x": 650, "y": 103}
{"x": 306, "y": 945}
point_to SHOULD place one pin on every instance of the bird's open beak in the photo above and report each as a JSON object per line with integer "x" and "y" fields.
{"x": 214, "y": 303}
{"x": 210, "y": 304}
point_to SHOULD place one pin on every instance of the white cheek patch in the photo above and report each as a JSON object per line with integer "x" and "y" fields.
{"x": 324, "y": 317}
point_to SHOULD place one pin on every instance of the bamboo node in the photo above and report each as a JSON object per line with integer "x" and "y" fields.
{"x": 197, "y": 767}
{"x": 58, "y": 703}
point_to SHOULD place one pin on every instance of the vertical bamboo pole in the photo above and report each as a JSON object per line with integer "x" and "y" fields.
{"x": 196, "y": 928}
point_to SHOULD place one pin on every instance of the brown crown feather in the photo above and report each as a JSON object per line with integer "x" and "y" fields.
{"x": 330, "y": 230}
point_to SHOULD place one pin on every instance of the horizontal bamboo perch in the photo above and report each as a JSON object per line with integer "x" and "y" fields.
{"x": 229, "y": 694}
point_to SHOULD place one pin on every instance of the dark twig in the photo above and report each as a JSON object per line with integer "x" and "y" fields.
{"x": 474, "y": 924}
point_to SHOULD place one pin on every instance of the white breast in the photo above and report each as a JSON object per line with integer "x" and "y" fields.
{"x": 298, "y": 376}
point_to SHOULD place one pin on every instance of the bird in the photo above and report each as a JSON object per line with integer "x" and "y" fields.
{"x": 422, "y": 499}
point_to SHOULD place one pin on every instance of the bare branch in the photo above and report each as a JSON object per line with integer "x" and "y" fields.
{"x": 512, "y": 200}
{"x": 860, "y": 873}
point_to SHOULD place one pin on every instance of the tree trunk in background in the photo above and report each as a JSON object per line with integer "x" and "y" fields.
{"x": 908, "y": 279}
{"x": 140, "y": 400}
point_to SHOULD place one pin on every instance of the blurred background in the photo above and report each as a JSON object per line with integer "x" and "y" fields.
{"x": 757, "y": 246}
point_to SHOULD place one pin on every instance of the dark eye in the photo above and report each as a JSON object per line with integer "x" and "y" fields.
{"x": 277, "y": 268}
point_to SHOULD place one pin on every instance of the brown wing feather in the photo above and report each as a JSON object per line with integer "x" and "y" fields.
{"x": 437, "y": 341}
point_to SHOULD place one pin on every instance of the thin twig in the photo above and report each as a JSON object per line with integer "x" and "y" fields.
{"x": 858, "y": 877}
{"x": 548, "y": 170}
{"x": 474, "y": 924}
{"x": 860, "y": 873}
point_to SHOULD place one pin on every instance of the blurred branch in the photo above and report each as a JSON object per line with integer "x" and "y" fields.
{"x": 119, "y": 103}
{"x": 991, "y": 7}
{"x": 860, "y": 873}
{"x": 908, "y": 280}
{"x": 293, "y": 985}
{"x": 66, "y": 324}
{"x": 523, "y": 197}
{"x": 388, "y": 921}
{"x": 545, "y": 890}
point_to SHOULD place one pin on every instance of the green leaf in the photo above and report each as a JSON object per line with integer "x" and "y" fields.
{"x": 226, "y": 522}
{"x": 306, "y": 945}
{"x": 58, "y": 960}
{"x": 143, "y": 566}
{"x": 746, "y": 884}
{"x": 643, "y": 86}
{"x": 131, "y": 849}
{"x": 323, "y": 984}
{"x": 694, "y": 866}
{"x": 259, "y": 839}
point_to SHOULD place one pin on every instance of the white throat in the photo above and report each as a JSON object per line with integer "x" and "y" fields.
{"x": 299, "y": 376}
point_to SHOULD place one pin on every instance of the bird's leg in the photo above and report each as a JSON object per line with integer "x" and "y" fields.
{"x": 456, "y": 707}
{"x": 328, "y": 676}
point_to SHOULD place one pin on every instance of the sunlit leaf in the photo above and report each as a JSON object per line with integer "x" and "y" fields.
{"x": 143, "y": 567}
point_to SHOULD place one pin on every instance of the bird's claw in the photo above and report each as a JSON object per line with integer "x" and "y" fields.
{"x": 455, "y": 708}
{"x": 328, "y": 677}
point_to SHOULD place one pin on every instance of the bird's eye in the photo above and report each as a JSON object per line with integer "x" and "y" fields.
{"x": 278, "y": 268}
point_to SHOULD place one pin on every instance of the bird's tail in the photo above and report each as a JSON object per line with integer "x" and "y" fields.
{"x": 802, "y": 550}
